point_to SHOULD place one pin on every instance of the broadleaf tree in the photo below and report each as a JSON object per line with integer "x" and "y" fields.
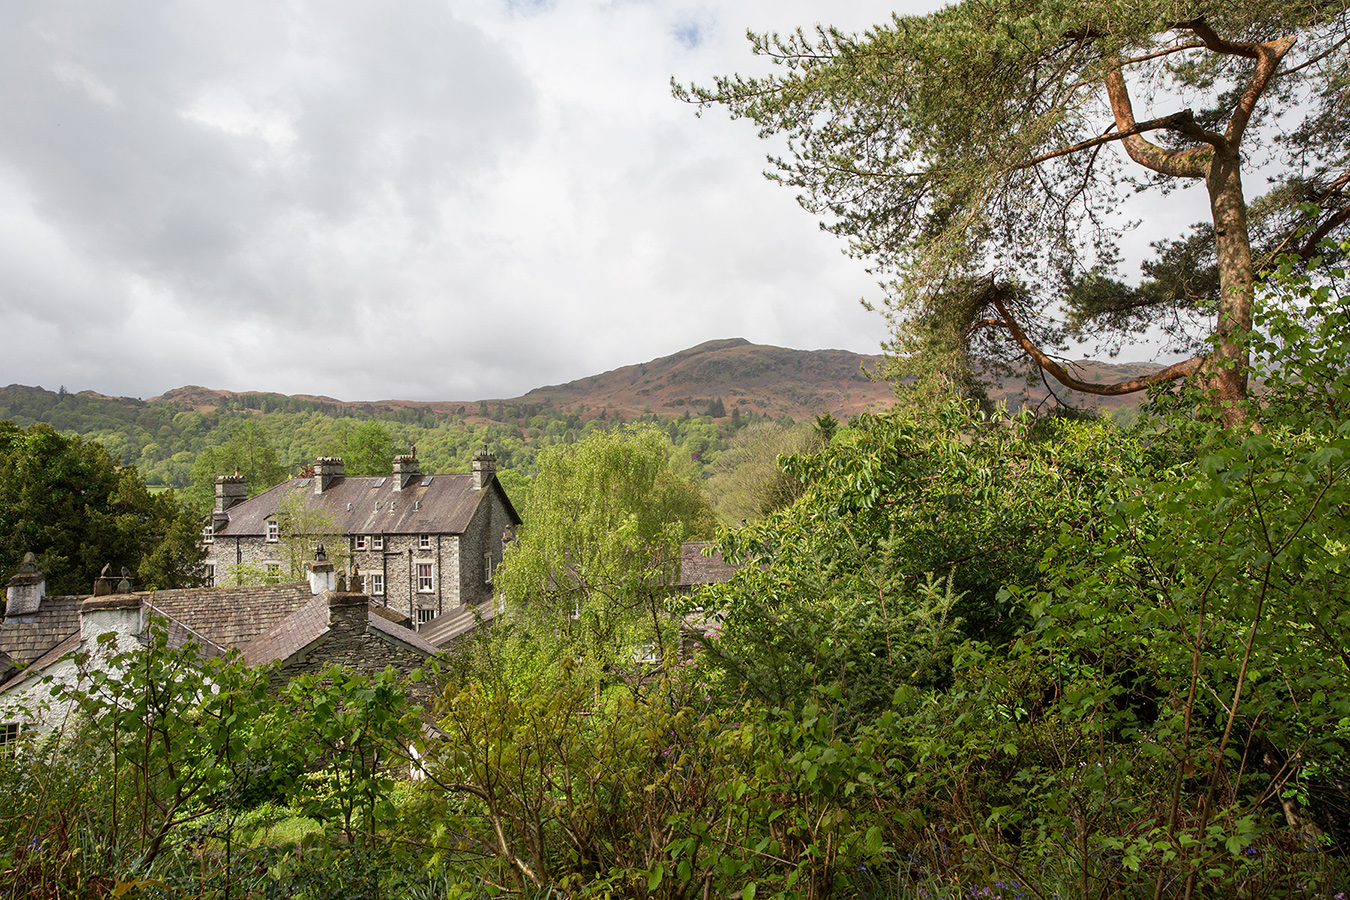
{"x": 248, "y": 452}
{"x": 66, "y": 501}
{"x": 599, "y": 552}
{"x": 980, "y": 156}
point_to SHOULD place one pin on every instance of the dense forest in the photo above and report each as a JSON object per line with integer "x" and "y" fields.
{"x": 165, "y": 439}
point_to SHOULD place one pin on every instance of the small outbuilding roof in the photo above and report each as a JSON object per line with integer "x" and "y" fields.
{"x": 697, "y": 568}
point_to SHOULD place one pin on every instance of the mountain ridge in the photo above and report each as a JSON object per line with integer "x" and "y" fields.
{"x": 764, "y": 379}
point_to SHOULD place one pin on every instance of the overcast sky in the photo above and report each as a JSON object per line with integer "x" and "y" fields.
{"x": 414, "y": 199}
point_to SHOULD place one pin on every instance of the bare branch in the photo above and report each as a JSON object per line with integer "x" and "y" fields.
{"x": 1184, "y": 369}
{"x": 1183, "y": 122}
{"x": 1189, "y": 163}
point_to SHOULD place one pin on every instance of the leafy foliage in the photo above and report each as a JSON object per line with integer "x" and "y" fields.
{"x": 601, "y": 548}
{"x": 67, "y": 502}
{"x": 972, "y": 147}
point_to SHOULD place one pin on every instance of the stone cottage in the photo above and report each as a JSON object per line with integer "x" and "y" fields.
{"x": 425, "y": 545}
{"x": 302, "y": 627}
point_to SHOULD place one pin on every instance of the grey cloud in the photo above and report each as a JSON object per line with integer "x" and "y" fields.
{"x": 397, "y": 98}
{"x": 414, "y": 199}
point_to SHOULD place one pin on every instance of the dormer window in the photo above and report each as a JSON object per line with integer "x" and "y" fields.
{"x": 273, "y": 531}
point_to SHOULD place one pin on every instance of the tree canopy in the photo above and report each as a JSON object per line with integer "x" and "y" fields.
{"x": 600, "y": 549}
{"x": 248, "y": 452}
{"x": 976, "y": 153}
{"x": 67, "y": 502}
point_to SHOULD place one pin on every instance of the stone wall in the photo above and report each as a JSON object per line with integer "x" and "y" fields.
{"x": 483, "y": 536}
{"x": 398, "y": 562}
{"x": 231, "y": 554}
{"x": 354, "y": 644}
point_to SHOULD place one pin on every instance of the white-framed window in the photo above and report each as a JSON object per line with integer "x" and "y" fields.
{"x": 425, "y": 615}
{"x": 424, "y": 542}
{"x": 487, "y": 567}
{"x": 273, "y": 531}
{"x": 376, "y": 584}
{"x": 377, "y": 542}
{"x": 273, "y": 573}
{"x": 9, "y": 738}
{"x": 210, "y": 574}
{"x": 359, "y": 542}
{"x": 425, "y": 583}
{"x": 208, "y": 533}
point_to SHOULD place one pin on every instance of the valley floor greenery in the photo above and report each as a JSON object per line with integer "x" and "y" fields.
{"x": 978, "y": 655}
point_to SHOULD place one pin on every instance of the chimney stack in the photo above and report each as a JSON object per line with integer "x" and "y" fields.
{"x": 484, "y": 468}
{"x": 322, "y": 575}
{"x": 405, "y": 471}
{"x": 230, "y": 489}
{"x": 26, "y": 589}
{"x": 327, "y": 469}
{"x": 116, "y": 613}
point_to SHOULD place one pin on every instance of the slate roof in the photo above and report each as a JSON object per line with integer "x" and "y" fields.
{"x": 228, "y": 617}
{"x": 309, "y": 623}
{"x": 443, "y": 629}
{"x": 291, "y": 635}
{"x": 69, "y": 644}
{"x": 216, "y": 619}
{"x": 696, "y": 569}
{"x": 399, "y": 633}
{"x": 367, "y": 504}
{"x": 25, "y": 638}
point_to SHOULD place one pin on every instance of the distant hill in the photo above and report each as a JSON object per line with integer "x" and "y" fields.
{"x": 770, "y": 381}
{"x": 679, "y": 393}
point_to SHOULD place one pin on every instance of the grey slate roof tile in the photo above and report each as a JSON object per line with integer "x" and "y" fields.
{"x": 695, "y": 568}
{"x": 291, "y": 635}
{"x": 448, "y": 626}
{"x": 363, "y": 504}
{"x": 309, "y": 623}
{"x": 25, "y": 638}
{"x": 230, "y": 616}
{"x": 70, "y": 644}
{"x": 399, "y": 633}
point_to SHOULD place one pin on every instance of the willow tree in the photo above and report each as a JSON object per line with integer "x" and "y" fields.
{"x": 979, "y": 156}
{"x": 599, "y": 553}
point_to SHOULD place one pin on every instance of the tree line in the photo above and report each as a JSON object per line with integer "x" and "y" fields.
{"x": 184, "y": 448}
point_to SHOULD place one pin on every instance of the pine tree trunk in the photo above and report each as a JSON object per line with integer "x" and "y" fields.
{"x": 1225, "y": 371}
